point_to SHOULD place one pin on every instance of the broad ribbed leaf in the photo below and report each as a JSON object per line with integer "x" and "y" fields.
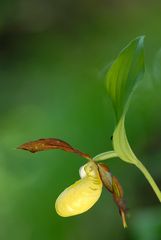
{"x": 125, "y": 72}
{"x": 122, "y": 79}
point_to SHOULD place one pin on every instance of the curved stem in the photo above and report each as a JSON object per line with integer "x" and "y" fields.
{"x": 124, "y": 151}
{"x": 105, "y": 156}
{"x": 149, "y": 178}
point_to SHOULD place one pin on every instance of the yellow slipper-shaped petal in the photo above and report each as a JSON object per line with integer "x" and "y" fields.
{"x": 82, "y": 195}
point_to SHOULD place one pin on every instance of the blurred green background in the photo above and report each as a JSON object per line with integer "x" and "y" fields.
{"x": 53, "y": 55}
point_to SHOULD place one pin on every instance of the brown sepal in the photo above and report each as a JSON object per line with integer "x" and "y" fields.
{"x": 51, "y": 143}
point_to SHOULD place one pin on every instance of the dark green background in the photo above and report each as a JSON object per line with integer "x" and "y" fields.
{"x": 53, "y": 55}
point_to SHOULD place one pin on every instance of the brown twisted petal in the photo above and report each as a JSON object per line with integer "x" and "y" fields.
{"x": 51, "y": 143}
{"x": 112, "y": 185}
{"x": 106, "y": 176}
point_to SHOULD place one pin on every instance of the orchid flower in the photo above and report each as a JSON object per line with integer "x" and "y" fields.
{"x": 84, "y": 193}
{"x": 121, "y": 80}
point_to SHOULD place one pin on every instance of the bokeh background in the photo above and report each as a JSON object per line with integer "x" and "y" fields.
{"x": 53, "y": 56}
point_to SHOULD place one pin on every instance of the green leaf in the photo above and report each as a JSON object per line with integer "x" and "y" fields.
{"x": 124, "y": 74}
{"x": 122, "y": 78}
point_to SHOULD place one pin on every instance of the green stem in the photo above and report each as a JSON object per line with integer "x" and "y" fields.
{"x": 124, "y": 151}
{"x": 149, "y": 178}
{"x": 105, "y": 156}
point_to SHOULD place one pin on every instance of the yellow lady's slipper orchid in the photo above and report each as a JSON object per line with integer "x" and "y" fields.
{"x": 121, "y": 80}
{"x": 83, "y": 194}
